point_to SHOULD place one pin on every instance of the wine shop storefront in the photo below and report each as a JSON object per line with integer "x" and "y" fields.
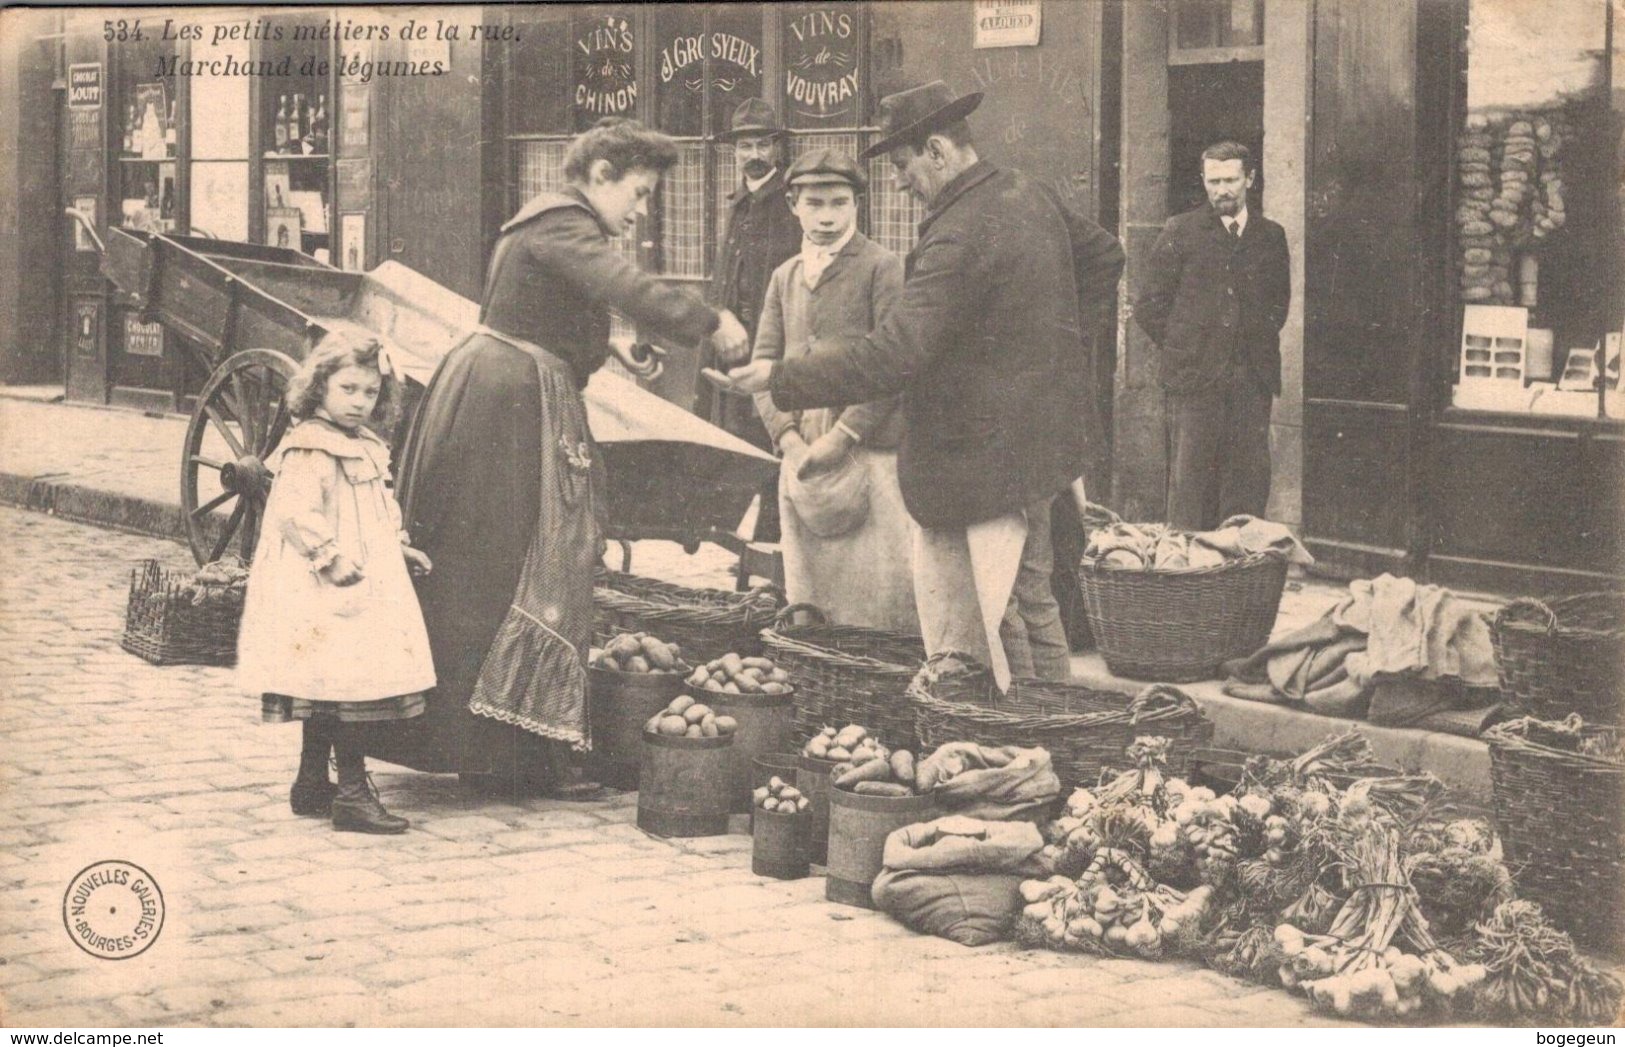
{"x": 1450, "y": 201}
{"x": 359, "y": 135}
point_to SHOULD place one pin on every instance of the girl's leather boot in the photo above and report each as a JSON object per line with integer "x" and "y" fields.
{"x": 356, "y": 808}
{"x": 313, "y": 792}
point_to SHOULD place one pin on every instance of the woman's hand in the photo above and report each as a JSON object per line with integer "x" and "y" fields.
{"x": 343, "y": 571}
{"x": 826, "y": 453}
{"x": 646, "y": 367}
{"x": 417, "y": 561}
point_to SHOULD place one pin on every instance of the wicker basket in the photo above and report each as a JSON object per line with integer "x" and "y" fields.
{"x": 706, "y": 623}
{"x": 1085, "y": 730}
{"x": 1178, "y": 626}
{"x": 164, "y": 626}
{"x": 1564, "y": 656}
{"x": 846, "y": 674}
{"x": 1561, "y": 815}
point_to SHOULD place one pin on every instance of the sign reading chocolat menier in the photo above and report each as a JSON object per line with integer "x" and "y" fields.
{"x": 606, "y": 79}
{"x": 821, "y": 65}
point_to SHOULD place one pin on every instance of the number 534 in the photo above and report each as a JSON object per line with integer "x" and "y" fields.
{"x": 121, "y": 30}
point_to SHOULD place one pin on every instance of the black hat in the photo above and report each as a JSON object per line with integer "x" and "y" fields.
{"x": 919, "y": 111}
{"x": 824, "y": 166}
{"x": 753, "y": 117}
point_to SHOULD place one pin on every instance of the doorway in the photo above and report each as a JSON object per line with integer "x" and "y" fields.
{"x": 1208, "y": 103}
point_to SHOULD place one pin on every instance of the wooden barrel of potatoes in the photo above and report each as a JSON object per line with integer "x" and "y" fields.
{"x": 618, "y": 705}
{"x": 778, "y": 844}
{"x": 765, "y": 726}
{"x": 812, "y": 778}
{"x": 683, "y": 785}
{"x": 858, "y": 827}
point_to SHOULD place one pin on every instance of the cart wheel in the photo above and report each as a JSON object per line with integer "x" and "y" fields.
{"x": 239, "y": 420}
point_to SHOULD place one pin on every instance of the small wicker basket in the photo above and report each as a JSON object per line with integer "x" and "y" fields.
{"x": 170, "y": 621}
{"x": 1564, "y": 656}
{"x": 705, "y": 623}
{"x": 846, "y": 674}
{"x": 1085, "y": 730}
{"x": 1559, "y": 793}
{"x": 1180, "y": 625}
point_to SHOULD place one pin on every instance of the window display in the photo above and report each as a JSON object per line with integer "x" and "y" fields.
{"x": 295, "y": 118}
{"x": 1536, "y": 223}
{"x": 146, "y": 169}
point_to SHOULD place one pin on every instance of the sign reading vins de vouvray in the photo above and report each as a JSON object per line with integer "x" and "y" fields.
{"x": 821, "y": 65}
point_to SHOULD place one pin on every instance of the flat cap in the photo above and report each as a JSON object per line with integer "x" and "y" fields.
{"x": 825, "y": 166}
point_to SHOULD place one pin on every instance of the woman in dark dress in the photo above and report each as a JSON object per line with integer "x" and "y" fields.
{"x": 499, "y": 477}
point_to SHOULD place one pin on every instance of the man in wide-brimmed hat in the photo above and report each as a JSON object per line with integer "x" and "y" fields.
{"x": 990, "y": 346}
{"x": 760, "y": 235}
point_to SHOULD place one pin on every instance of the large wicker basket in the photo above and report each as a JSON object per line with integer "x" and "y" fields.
{"x": 1085, "y": 730}
{"x": 1564, "y": 656}
{"x": 705, "y": 623}
{"x": 1179, "y": 625}
{"x": 1560, "y": 808}
{"x": 846, "y": 674}
{"x": 170, "y": 621}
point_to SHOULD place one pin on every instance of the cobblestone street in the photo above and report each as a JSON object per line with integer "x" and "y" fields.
{"x": 486, "y": 913}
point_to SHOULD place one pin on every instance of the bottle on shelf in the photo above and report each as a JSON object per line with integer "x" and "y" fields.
{"x": 129, "y": 130}
{"x": 296, "y": 126}
{"x": 166, "y": 206}
{"x": 150, "y": 138}
{"x": 279, "y": 129}
{"x": 318, "y": 125}
{"x": 169, "y": 131}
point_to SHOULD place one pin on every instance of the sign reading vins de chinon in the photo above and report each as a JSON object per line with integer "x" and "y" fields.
{"x": 821, "y": 65}
{"x": 606, "y": 79}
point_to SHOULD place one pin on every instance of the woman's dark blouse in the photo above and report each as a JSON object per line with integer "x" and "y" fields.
{"x": 555, "y": 276}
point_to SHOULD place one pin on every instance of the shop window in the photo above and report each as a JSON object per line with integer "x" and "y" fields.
{"x": 145, "y": 106}
{"x": 1537, "y": 263}
{"x": 217, "y": 171}
{"x": 554, "y": 91}
{"x": 894, "y": 215}
{"x": 295, "y": 120}
{"x": 1203, "y": 31}
{"x": 707, "y": 61}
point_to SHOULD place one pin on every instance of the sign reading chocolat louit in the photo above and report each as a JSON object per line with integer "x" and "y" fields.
{"x": 605, "y": 63}
{"x": 821, "y": 65}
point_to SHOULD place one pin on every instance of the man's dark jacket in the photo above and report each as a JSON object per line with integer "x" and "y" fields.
{"x": 1207, "y": 297}
{"x": 761, "y": 234}
{"x": 990, "y": 347}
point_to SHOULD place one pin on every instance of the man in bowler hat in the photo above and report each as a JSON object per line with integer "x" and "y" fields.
{"x": 989, "y": 346}
{"x": 760, "y": 235}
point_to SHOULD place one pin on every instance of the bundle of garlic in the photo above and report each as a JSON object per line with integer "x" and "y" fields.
{"x": 1115, "y": 907}
{"x": 1378, "y": 957}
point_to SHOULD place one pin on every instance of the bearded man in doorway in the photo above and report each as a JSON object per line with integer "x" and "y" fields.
{"x": 1214, "y": 298}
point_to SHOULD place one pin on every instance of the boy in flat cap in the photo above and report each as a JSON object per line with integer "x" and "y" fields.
{"x": 844, "y": 530}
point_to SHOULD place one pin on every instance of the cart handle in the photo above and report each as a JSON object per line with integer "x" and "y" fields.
{"x": 90, "y": 226}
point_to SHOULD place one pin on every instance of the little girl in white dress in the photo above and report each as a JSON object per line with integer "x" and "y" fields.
{"x": 332, "y": 634}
